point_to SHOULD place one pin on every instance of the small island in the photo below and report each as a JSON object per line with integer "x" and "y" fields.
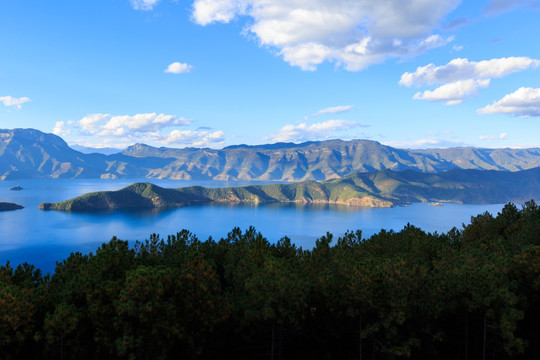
{"x": 380, "y": 189}
{"x": 7, "y": 206}
{"x": 18, "y": 187}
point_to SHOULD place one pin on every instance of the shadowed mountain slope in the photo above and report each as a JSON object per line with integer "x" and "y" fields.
{"x": 29, "y": 153}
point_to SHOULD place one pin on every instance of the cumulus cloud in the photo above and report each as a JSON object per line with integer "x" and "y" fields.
{"x": 453, "y": 93}
{"x": 175, "y": 138}
{"x": 60, "y": 128}
{"x": 353, "y": 34}
{"x": 120, "y": 125}
{"x": 463, "y": 69}
{"x": 524, "y": 102}
{"x": 178, "y": 68}
{"x": 195, "y": 138}
{"x": 106, "y": 130}
{"x": 462, "y": 78}
{"x": 334, "y": 110}
{"x": 318, "y": 131}
{"x": 13, "y": 101}
{"x": 144, "y": 4}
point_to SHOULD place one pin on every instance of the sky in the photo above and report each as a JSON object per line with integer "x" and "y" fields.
{"x": 214, "y": 73}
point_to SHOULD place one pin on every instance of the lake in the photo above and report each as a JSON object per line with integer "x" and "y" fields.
{"x": 44, "y": 237}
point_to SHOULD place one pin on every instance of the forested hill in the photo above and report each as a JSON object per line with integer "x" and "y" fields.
{"x": 376, "y": 189}
{"x": 29, "y": 153}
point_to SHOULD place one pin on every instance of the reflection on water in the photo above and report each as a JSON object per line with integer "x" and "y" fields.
{"x": 42, "y": 237}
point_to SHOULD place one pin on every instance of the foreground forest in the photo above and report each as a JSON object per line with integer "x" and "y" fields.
{"x": 471, "y": 293}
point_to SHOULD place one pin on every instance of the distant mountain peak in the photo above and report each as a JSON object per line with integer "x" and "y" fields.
{"x": 94, "y": 150}
{"x": 33, "y": 135}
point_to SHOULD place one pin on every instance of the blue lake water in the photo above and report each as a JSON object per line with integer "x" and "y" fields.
{"x": 44, "y": 237}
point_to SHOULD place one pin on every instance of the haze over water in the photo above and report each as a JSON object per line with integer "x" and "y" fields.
{"x": 44, "y": 237}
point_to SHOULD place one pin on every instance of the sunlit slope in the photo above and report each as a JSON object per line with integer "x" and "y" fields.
{"x": 376, "y": 189}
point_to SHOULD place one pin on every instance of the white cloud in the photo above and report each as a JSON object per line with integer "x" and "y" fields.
{"x": 12, "y": 101}
{"x": 457, "y": 47}
{"x": 174, "y": 138}
{"x": 93, "y": 123}
{"x": 462, "y": 78}
{"x": 353, "y": 34}
{"x": 194, "y": 138}
{"x": 453, "y": 93}
{"x": 144, "y": 4}
{"x": 60, "y": 130}
{"x": 179, "y": 68}
{"x": 120, "y": 125}
{"x": 523, "y": 102}
{"x": 106, "y": 130}
{"x": 501, "y": 136}
{"x": 463, "y": 69}
{"x": 209, "y": 11}
{"x": 334, "y": 110}
{"x": 318, "y": 131}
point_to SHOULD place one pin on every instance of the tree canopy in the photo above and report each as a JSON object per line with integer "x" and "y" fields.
{"x": 470, "y": 293}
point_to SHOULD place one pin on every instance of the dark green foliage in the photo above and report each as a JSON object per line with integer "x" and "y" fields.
{"x": 467, "y": 294}
{"x": 6, "y": 206}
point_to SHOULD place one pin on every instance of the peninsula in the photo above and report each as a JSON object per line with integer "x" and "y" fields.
{"x": 384, "y": 188}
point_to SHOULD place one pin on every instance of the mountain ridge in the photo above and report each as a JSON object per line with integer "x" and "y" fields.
{"x": 30, "y": 153}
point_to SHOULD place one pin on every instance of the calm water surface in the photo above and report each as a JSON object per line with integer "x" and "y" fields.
{"x": 43, "y": 237}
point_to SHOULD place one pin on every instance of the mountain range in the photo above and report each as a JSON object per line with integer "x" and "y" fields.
{"x": 30, "y": 153}
{"x": 384, "y": 188}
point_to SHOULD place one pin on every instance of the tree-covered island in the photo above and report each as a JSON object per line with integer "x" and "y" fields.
{"x": 7, "y": 206}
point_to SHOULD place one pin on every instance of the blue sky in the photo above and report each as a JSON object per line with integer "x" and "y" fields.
{"x": 212, "y": 73}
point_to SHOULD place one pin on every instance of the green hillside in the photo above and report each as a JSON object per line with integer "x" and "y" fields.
{"x": 376, "y": 189}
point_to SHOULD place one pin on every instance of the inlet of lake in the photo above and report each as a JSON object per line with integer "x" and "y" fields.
{"x": 43, "y": 237}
